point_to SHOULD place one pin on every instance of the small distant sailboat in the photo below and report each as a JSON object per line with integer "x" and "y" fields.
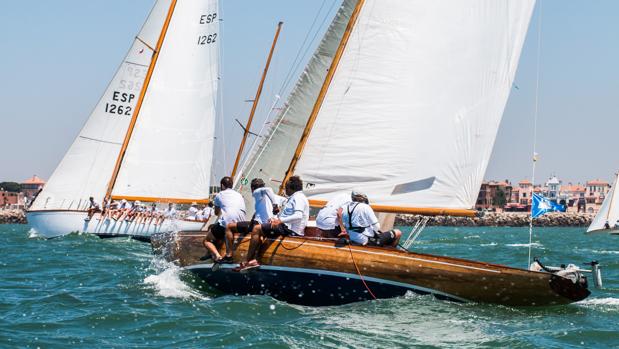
{"x": 607, "y": 218}
{"x": 402, "y": 100}
{"x": 150, "y": 136}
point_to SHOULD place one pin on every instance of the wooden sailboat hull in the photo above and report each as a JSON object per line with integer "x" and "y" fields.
{"x": 51, "y": 224}
{"x": 314, "y": 271}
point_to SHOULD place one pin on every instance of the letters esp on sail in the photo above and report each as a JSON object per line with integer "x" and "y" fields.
{"x": 169, "y": 154}
{"x": 86, "y": 167}
{"x": 412, "y": 111}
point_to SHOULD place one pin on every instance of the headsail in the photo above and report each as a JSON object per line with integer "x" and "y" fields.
{"x": 412, "y": 112}
{"x": 608, "y": 215}
{"x": 85, "y": 169}
{"x": 270, "y": 158}
{"x": 169, "y": 155}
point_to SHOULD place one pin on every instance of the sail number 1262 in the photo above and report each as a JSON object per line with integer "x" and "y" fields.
{"x": 207, "y": 39}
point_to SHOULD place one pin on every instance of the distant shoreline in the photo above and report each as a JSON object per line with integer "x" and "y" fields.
{"x": 13, "y": 216}
{"x": 504, "y": 219}
{"x": 491, "y": 219}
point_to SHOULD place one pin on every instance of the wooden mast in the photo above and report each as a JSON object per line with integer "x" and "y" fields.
{"x": 256, "y": 99}
{"x": 322, "y": 93}
{"x": 138, "y": 105}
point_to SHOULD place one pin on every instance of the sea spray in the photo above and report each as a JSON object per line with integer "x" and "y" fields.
{"x": 166, "y": 281}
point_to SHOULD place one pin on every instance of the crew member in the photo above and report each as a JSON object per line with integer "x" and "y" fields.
{"x": 360, "y": 223}
{"x": 230, "y": 207}
{"x": 93, "y": 208}
{"x": 326, "y": 219}
{"x": 290, "y": 221}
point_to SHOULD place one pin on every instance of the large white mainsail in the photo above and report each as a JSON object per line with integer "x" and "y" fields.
{"x": 411, "y": 115}
{"x": 608, "y": 215}
{"x": 271, "y": 157}
{"x": 86, "y": 167}
{"x": 169, "y": 154}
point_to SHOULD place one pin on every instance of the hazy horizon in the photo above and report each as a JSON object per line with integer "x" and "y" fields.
{"x": 60, "y": 56}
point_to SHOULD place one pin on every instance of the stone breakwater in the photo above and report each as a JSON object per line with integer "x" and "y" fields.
{"x": 12, "y": 217}
{"x": 507, "y": 219}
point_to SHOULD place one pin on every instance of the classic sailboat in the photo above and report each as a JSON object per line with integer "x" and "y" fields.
{"x": 607, "y": 218}
{"x": 150, "y": 137}
{"x": 402, "y": 101}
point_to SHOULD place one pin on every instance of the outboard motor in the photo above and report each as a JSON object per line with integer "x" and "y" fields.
{"x": 596, "y": 271}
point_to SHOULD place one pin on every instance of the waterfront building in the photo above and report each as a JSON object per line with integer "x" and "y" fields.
{"x": 31, "y": 186}
{"x": 10, "y": 199}
{"x": 494, "y": 195}
{"x": 595, "y": 192}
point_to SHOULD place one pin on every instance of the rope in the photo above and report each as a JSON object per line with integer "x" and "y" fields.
{"x": 281, "y": 243}
{"x": 539, "y": 49}
{"x": 359, "y": 273}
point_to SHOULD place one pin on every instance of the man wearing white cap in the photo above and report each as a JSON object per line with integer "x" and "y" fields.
{"x": 359, "y": 221}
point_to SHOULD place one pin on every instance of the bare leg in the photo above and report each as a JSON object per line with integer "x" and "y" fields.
{"x": 254, "y": 243}
{"x": 398, "y": 235}
{"x": 230, "y": 227}
{"x": 210, "y": 246}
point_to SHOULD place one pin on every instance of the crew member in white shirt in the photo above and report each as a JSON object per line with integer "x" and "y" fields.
{"x": 168, "y": 213}
{"x": 192, "y": 211}
{"x": 230, "y": 207}
{"x": 290, "y": 221}
{"x": 360, "y": 223}
{"x": 264, "y": 199}
{"x": 326, "y": 219}
{"x": 93, "y": 208}
{"x": 207, "y": 212}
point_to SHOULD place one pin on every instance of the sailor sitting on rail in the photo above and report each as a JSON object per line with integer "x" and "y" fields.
{"x": 291, "y": 220}
{"x": 360, "y": 223}
{"x": 326, "y": 220}
{"x": 168, "y": 213}
{"x": 206, "y": 213}
{"x": 192, "y": 211}
{"x": 93, "y": 208}
{"x": 123, "y": 210}
{"x": 264, "y": 200}
{"x": 230, "y": 207}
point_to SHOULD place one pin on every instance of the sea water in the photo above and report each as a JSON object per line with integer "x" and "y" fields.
{"x": 79, "y": 291}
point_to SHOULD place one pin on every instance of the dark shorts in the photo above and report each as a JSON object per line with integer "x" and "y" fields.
{"x": 382, "y": 238}
{"x": 330, "y": 233}
{"x": 272, "y": 232}
{"x": 218, "y": 231}
{"x": 245, "y": 227}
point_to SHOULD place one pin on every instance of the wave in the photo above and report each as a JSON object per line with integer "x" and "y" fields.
{"x": 534, "y": 244}
{"x": 609, "y": 301}
{"x": 167, "y": 282}
{"x": 490, "y": 244}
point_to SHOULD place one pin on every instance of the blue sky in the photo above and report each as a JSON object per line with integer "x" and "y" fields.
{"x": 57, "y": 58}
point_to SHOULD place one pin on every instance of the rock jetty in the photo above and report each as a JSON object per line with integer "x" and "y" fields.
{"x": 12, "y": 217}
{"x": 506, "y": 219}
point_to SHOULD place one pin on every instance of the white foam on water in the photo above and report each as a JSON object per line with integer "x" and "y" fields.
{"x": 32, "y": 234}
{"x": 605, "y": 252}
{"x": 167, "y": 282}
{"x": 534, "y": 244}
{"x": 608, "y": 302}
{"x": 490, "y": 244}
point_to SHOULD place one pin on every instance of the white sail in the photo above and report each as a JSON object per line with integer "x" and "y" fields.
{"x": 608, "y": 213}
{"x": 271, "y": 157}
{"x": 86, "y": 168}
{"x": 411, "y": 115}
{"x": 170, "y": 151}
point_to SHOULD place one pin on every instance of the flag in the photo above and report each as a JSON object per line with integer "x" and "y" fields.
{"x": 542, "y": 205}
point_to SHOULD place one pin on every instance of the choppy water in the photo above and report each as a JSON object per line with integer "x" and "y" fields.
{"x": 80, "y": 291}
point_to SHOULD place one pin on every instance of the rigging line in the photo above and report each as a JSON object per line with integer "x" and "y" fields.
{"x": 535, "y": 115}
{"x": 144, "y": 42}
{"x": 359, "y": 272}
{"x": 308, "y": 48}
{"x": 261, "y": 147}
{"x": 298, "y": 56}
